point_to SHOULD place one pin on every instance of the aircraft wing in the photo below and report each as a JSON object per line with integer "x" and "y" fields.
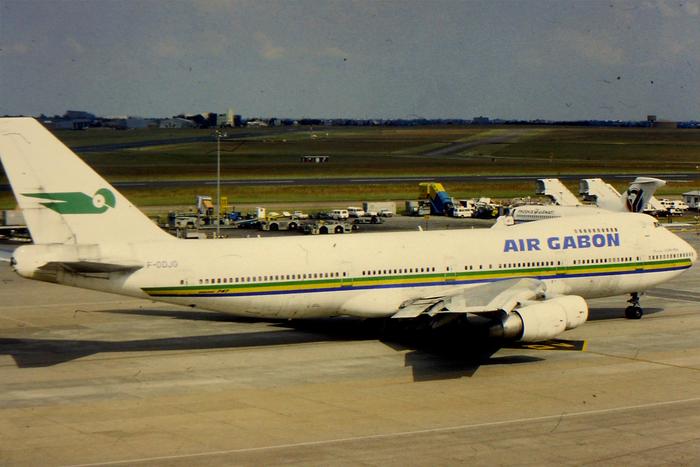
{"x": 519, "y": 308}
{"x": 5, "y": 255}
{"x": 503, "y": 295}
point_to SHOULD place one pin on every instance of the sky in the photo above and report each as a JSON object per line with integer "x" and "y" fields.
{"x": 512, "y": 59}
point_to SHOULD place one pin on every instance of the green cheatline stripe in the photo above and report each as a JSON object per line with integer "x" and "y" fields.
{"x": 469, "y": 275}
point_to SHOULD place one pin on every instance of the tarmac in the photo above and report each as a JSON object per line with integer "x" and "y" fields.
{"x": 88, "y": 378}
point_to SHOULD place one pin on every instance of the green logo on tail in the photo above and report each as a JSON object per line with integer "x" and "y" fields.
{"x": 77, "y": 203}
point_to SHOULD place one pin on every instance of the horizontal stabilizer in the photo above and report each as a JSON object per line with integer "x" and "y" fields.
{"x": 91, "y": 266}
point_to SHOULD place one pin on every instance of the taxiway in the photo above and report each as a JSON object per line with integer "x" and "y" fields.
{"x": 92, "y": 378}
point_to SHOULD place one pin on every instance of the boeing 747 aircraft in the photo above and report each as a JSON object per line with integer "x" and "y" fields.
{"x": 529, "y": 280}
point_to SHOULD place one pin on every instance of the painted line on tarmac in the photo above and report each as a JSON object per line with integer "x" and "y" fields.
{"x": 25, "y": 323}
{"x": 259, "y": 182}
{"x": 674, "y": 294}
{"x": 103, "y": 302}
{"x": 251, "y": 182}
{"x": 377, "y": 180}
{"x": 559, "y": 416}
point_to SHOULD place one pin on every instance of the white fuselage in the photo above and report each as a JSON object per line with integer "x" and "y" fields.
{"x": 373, "y": 274}
{"x": 537, "y": 212}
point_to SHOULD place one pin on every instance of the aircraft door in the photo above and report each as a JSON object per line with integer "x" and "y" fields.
{"x": 450, "y": 271}
{"x": 346, "y": 277}
{"x": 560, "y": 270}
{"x": 640, "y": 242}
{"x": 562, "y": 263}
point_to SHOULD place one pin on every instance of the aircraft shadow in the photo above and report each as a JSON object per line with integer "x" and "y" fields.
{"x": 430, "y": 366}
{"x": 601, "y": 314}
{"x": 190, "y": 315}
{"x": 450, "y": 353}
{"x": 30, "y": 352}
{"x": 447, "y": 353}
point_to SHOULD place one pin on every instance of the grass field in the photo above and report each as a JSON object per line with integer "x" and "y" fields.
{"x": 377, "y": 151}
{"x": 95, "y": 136}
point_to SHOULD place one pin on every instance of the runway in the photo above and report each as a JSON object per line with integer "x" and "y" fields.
{"x": 94, "y": 379}
{"x": 151, "y": 184}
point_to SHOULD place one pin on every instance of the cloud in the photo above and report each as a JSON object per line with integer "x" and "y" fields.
{"x": 267, "y": 49}
{"x": 167, "y": 47}
{"x": 215, "y": 6}
{"x": 270, "y": 51}
{"x": 74, "y": 46}
{"x": 214, "y": 43}
{"x": 532, "y": 58}
{"x": 592, "y": 47}
{"x": 673, "y": 47}
{"x": 16, "y": 49}
{"x": 691, "y": 8}
{"x": 666, "y": 10}
{"x": 675, "y": 9}
{"x": 334, "y": 52}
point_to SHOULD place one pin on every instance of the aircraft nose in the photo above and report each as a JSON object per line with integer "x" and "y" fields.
{"x": 693, "y": 253}
{"x": 685, "y": 247}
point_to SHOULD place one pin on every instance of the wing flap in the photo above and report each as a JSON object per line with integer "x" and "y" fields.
{"x": 418, "y": 307}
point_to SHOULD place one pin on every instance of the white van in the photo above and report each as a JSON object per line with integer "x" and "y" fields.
{"x": 354, "y": 211}
{"x": 340, "y": 214}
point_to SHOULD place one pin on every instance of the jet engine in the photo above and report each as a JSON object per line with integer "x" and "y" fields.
{"x": 542, "y": 320}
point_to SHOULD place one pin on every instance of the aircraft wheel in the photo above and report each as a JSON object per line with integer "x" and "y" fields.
{"x": 633, "y": 312}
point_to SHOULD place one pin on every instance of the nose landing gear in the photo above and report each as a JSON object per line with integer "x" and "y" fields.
{"x": 634, "y": 311}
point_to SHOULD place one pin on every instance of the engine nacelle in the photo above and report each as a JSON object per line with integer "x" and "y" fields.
{"x": 544, "y": 320}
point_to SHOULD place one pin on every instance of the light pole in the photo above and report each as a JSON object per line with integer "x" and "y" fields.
{"x": 218, "y": 180}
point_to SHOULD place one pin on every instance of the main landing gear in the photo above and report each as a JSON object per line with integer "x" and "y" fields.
{"x": 634, "y": 311}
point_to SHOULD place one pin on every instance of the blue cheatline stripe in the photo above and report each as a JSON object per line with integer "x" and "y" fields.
{"x": 287, "y": 291}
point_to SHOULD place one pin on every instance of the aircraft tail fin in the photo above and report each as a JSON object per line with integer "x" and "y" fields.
{"x": 604, "y": 195}
{"x": 640, "y": 192}
{"x": 556, "y": 191}
{"x": 63, "y": 200}
{"x": 634, "y": 199}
